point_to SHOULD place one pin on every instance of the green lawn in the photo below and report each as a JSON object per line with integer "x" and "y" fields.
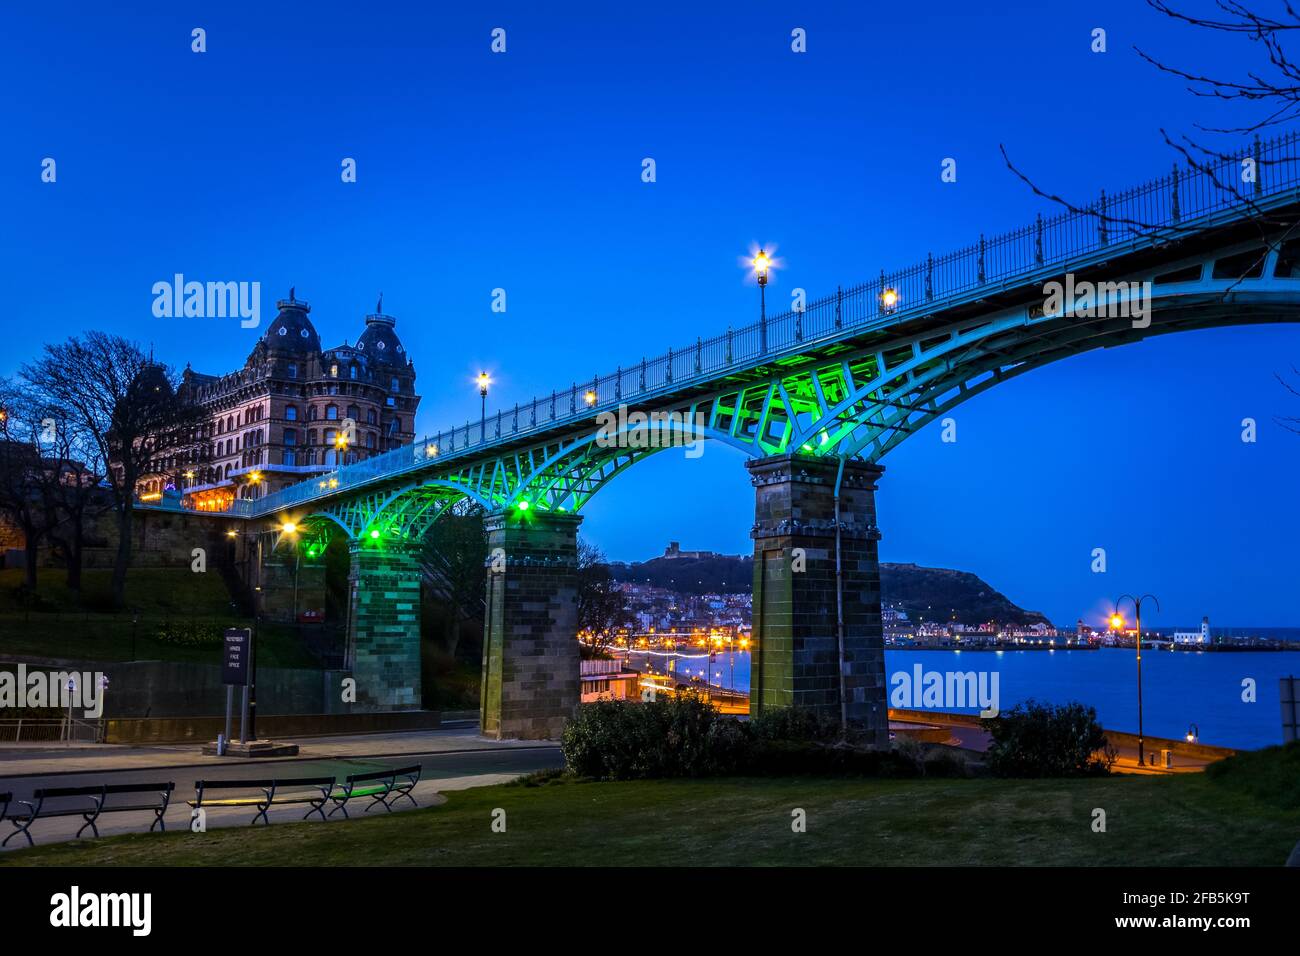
{"x": 65, "y": 625}
{"x": 1185, "y": 820}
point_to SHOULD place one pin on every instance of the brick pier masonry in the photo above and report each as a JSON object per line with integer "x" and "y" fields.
{"x": 384, "y": 624}
{"x": 530, "y": 651}
{"x": 797, "y": 657}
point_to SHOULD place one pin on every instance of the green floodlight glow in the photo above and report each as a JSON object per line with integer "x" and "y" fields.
{"x": 374, "y": 535}
{"x": 523, "y": 505}
{"x": 311, "y": 552}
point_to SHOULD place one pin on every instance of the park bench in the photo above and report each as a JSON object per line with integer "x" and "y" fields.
{"x": 381, "y": 786}
{"x": 89, "y": 803}
{"x": 311, "y": 790}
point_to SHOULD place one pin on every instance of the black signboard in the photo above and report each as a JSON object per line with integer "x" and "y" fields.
{"x": 234, "y": 663}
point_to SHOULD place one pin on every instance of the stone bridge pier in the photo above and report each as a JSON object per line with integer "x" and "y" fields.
{"x": 384, "y": 624}
{"x": 796, "y": 615}
{"x": 530, "y": 649}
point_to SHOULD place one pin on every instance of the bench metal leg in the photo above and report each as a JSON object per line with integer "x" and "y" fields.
{"x": 341, "y": 805}
{"x": 20, "y": 828}
{"x": 160, "y": 823}
{"x": 315, "y": 808}
{"x": 90, "y": 819}
{"x": 405, "y": 792}
{"x": 261, "y": 812}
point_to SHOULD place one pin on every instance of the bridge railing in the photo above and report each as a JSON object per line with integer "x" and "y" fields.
{"x": 1178, "y": 203}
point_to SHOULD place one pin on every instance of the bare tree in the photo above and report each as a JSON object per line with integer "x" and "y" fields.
{"x": 126, "y": 407}
{"x": 1273, "y": 88}
{"x": 20, "y": 466}
{"x": 70, "y": 486}
{"x": 1290, "y": 422}
{"x": 602, "y": 609}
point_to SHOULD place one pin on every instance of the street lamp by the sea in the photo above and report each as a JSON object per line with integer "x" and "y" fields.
{"x": 1117, "y": 621}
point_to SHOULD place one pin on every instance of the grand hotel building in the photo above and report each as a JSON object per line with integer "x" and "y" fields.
{"x": 295, "y": 410}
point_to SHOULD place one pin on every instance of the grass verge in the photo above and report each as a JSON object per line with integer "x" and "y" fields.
{"x": 1182, "y": 820}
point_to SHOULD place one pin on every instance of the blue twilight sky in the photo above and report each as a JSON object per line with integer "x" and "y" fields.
{"x": 522, "y": 171}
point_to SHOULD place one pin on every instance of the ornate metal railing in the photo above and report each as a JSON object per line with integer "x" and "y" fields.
{"x": 1177, "y": 204}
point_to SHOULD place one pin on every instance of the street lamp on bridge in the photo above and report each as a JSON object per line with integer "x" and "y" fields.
{"x": 484, "y": 380}
{"x": 1117, "y": 622}
{"x": 762, "y": 266}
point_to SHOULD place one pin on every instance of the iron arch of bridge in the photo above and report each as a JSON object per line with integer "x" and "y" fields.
{"x": 858, "y": 404}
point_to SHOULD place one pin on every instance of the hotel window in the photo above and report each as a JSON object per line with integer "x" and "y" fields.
{"x": 354, "y": 412}
{"x": 291, "y": 370}
{"x": 313, "y": 413}
{"x": 332, "y": 412}
{"x": 334, "y": 371}
{"x": 290, "y": 436}
{"x": 330, "y": 436}
{"x": 291, "y": 413}
{"x": 370, "y": 439}
{"x": 397, "y": 386}
{"x": 371, "y": 418}
{"x": 352, "y": 371}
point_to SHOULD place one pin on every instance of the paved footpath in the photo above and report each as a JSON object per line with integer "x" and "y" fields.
{"x": 451, "y": 758}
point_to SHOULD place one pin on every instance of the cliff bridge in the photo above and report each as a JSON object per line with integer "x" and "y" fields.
{"x": 815, "y": 398}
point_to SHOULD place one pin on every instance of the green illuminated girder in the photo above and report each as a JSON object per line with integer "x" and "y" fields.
{"x": 856, "y": 401}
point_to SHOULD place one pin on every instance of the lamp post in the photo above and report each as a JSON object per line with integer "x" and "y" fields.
{"x": 762, "y": 265}
{"x": 484, "y": 380}
{"x": 71, "y": 688}
{"x": 1117, "y": 620}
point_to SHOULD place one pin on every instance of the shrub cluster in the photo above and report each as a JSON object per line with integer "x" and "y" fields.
{"x": 1047, "y": 740}
{"x": 685, "y": 736}
{"x": 191, "y": 633}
